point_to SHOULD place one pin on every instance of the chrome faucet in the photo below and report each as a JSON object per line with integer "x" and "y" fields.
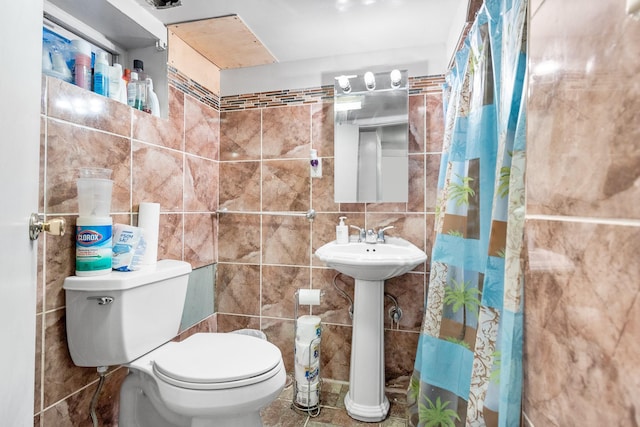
{"x": 370, "y": 235}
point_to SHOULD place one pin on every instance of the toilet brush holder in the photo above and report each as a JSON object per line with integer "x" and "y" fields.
{"x": 307, "y": 338}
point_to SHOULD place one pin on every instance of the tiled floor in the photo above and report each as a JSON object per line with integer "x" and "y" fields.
{"x": 332, "y": 411}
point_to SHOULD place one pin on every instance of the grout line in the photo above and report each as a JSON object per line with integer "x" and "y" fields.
{"x": 585, "y": 220}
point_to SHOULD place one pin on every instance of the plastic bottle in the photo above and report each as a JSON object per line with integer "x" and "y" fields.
{"x": 101, "y": 74}
{"x": 136, "y": 92}
{"x": 342, "y": 232}
{"x": 152, "y": 98}
{"x": 82, "y": 64}
{"x": 94, "y": 250}
{"x": 117, "y": 85}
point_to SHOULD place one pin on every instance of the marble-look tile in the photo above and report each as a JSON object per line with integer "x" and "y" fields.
{"x": 43, "y": 163}
{"x": 280, "y": 413}
{"x": 61, "y": 376}
{"x": 417, "y": 123}
{"x": 386, "y": 207}
{"x": 399, "y": 354}
{"x": 582, "y": 322}
{"x": 240, "y": 135}
{"x": 323, "y": 190}
{"x": 416, "y": 183}
{"x": 170, "y": 236}
{"x": 408, "y": 290}
{"x": 201, "y": 129}
{"x": 157, "y": 176}
{"x": 279, "y": 285}
{"x": 333, "y": 307}
{"x": 240, "y": 186}
{"x": 76, "y": 105}
{"x": 210, "y": 324}
{"x": 200, "y": 184}
{"x": 239, "y": 238}
{"x": 59, "y": 259}
{"x": 322, "y": 129}
{"x": 70, "y": 148}
{"x": 285, "y": 185}
{"x": 432, "y": 172}
{"x": 40, "y": 278}
{"x": 335, "y": 352}
{"x": 233, "y": 322}
{"x": 583, "y": 148}
{"x": 200, "y": 230}
{"x": 286, "y": 132}
{"x": 435, "y": 123}
{"x": 74, "y": 410}
{"x": 285, "y": 240}
{"x": 167, "y": 132}
{"x": 238, "y": 289}
{"x": 280, "y": 333}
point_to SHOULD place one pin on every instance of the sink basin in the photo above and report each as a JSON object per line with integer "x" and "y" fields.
{"x": 366, "y": 261}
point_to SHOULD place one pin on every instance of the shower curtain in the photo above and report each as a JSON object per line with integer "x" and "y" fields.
{"x": 468, "y": 368}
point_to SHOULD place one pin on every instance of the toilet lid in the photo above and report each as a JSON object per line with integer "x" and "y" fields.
{"x": 212, "y": 358}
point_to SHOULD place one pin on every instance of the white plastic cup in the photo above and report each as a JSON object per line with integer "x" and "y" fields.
{"x": 94, "y": 197}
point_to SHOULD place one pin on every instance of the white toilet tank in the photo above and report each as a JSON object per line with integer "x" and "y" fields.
{"x": 115, "y": 318}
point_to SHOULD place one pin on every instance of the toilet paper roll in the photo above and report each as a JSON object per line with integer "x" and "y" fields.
{"x": 149, "y": 219}
{"x": 306, "y": 374}
{"x": 308, "y": 328}
{"x": 308, "y": 395}
{"x": 307, "y": 353}
{"x": 308, "y": 296}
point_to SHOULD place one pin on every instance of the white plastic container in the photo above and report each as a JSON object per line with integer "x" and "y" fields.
{"x": 117, "y": 85}
{"x": 82, "y": 64}
{"x": 342, "y": 232}
{"x": 152, "y": 98}
{"x": 101, "y": 74}
{"x": 93, "y": 245}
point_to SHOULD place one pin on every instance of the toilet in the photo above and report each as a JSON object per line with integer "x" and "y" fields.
{"x": 208, "y": 379}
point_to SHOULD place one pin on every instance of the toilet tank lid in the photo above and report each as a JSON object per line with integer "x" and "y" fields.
{"x": 120, "y": 280}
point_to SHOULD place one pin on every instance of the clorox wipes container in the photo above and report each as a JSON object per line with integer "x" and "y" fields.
{"x": 93, "y": 245}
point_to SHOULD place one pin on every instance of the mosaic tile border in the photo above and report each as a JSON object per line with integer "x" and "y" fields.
{"x": 278, "y": 98}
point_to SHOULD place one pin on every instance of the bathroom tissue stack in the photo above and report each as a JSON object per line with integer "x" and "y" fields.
{"x": 307, "y": 352}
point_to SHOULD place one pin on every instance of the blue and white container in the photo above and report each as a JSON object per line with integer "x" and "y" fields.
{"x": 94, "y": 249}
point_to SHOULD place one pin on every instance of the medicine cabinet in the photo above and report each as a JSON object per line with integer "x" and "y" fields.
{"x": 371, "y": 139}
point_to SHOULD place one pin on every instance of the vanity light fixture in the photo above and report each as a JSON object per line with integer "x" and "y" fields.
{"x": 396, "y": 79}
{"x": 343, "y": 81}
{"x": 369, "y": 80}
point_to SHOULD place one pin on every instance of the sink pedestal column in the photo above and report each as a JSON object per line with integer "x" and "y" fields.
{"x": 365, "y": 400}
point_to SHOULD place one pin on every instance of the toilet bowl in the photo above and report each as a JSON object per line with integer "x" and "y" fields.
{"x": 209, "y": 379}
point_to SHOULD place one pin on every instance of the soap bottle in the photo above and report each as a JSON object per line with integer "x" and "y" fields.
{"x": 154, "y": 104}
{"x": 101, "y": 74}
{"x": 342, "y": 232}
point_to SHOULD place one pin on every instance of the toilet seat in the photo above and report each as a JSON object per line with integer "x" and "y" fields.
{"x": 214, "y": 361}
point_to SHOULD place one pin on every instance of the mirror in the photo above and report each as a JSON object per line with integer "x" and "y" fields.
{"x": 371, "y": 138}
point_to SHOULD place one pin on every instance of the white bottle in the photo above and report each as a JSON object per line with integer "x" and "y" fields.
{"x": 154, "y": 104}
{"x": 101, "y": 74}
{"x": 117, "y": 84}
{"x": 342, "y": 232}
{"x": 132, "y": 89}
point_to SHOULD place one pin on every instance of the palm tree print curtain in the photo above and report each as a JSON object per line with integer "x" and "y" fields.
{"x": 468, "y": 368}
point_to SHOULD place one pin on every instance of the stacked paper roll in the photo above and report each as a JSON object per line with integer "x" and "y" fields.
{"x": 149, "y": 219}
{"x": 307, "y": 359}
{"x": 308, "y": 328}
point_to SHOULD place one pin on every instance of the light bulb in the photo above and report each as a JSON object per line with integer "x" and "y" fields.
{"x": 396, "y": 78}
{"x": 369, "y": 80}
{"x": 343, "y": 82}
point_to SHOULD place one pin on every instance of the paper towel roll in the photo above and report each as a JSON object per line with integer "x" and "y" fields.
{"x": 307, "y": 353}
{"x": 309, "y": 296}
{"x": 149, "y": 219}
{"x": 308, "y": 328}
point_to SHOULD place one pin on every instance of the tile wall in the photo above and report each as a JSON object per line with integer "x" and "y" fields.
{"x": 582, "y": 312}
{"x": 263, "y": 259}
{"x": 173, "y": 162}
{"x": 256, "y": 158}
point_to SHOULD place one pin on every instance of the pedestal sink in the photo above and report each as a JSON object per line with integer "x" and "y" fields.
{"x": 370, "y": 265}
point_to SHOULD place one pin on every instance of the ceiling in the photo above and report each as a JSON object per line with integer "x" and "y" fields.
{"x": 312, "y": 40}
